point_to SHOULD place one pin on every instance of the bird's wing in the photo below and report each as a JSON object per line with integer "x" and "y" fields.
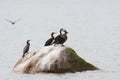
{"x": 9, "y": 20}
{"x": 26, "y": 48}
{"x": 49, "y": 41}
{"x": 17, "y": 20}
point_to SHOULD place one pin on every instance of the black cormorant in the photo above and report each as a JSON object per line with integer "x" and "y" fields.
{"x": 49, "y": 41}
{"x": 26, "y": 48}
{"x": 60, "y": 39}
{"x": 65, "y": 35}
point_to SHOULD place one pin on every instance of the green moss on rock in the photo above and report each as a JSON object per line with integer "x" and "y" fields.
{"x": 77, "y": 63}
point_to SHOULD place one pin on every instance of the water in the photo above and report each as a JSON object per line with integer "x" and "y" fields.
{"x": 93, "y": 28}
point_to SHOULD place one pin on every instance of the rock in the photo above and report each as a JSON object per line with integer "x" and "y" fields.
{"x": 54, "y": 59}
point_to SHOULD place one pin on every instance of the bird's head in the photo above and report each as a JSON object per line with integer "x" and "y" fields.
{"x": 28, "y": 41}
{"x": 65, "y": 31}
{"x": 62, "y": 29}
{"x": 53, "y": 33}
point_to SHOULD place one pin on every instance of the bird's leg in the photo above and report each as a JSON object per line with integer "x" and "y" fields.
{"x": 55, "y": 44}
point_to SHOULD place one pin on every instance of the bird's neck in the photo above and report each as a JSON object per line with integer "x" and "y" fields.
{"x": 28, "y": 43}
{"x": 52, "y": 36}
{"x": 61, "y": 32}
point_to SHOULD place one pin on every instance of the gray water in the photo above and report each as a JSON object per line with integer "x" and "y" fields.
{"x": 93, "y": 26}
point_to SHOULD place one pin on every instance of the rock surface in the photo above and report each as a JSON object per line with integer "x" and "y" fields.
{"x": 54, "y": 59}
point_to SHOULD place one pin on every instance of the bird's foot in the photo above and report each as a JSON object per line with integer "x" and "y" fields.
{"x": 23, "y": 56}
{"x": 62, "y": 45}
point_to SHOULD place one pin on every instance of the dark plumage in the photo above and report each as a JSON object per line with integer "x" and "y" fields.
{"x": 60, "y": 39}
{"x": 49, "y": 41}
{"x": 26, "y": 48}
{"x": 65, "y": 36}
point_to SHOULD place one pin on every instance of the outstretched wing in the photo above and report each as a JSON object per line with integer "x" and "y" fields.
{"x": 12, "y": 22}
{"x": 9, "y": 21}
{"x": 17, "y": 20}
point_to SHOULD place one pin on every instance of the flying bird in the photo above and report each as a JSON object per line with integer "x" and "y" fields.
{"x": 12, "y": 22}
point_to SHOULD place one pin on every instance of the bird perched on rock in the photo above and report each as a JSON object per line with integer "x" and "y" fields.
{"x": 64, "y": 36}
{"x": 26, "y": 48}
{"x": 49, "y": 41}
{"x": 61, "y": 38}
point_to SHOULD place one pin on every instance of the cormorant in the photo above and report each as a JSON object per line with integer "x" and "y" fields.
{"x": 26, "y": 48}
{"x": 65, "y": 35}
{"x": 60, "y": 39}
{"x": 49, "y": 41}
